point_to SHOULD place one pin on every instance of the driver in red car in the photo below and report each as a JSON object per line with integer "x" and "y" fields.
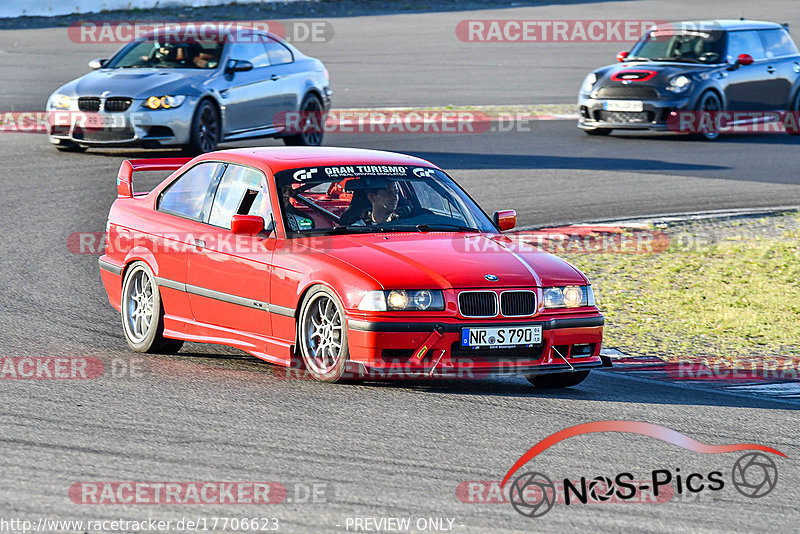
{"x": 383, "y": 204}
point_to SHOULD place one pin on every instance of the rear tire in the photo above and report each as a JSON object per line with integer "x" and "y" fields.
{"x": 143, "y": 313}
{"x": 598, "y": 131}
{"x": 557, "y": 380}
{"x": 312, "y": 115}
{"x": 322, "y": 335}
{"x": 794, "y": 129}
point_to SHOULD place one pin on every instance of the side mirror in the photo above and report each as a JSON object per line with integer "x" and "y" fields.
{"x": 97, "y": 63}
{"x": 744, "y": 59}
{"x": 238, "y": 65}
{"x": 505, "y": 219}
{"x": 247, "y": 224}
{"x": 622, "y": 55}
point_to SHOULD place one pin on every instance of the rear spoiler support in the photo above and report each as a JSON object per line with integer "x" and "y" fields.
{"x": 130, "y": 166}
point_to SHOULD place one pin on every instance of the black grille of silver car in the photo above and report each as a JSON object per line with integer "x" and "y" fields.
{"x": 627, "y": 91}
{"x": 626, "y": 116}
{"x": 477, "y": 303}
{"x": 89, "y": 104}
{"x": 117, "y": 103}
{"x": 517, "y": 303}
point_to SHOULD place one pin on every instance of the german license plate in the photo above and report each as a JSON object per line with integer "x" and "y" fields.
{"x": 623, "y": 105}
{"x": 502, "y": 336}
{"x": 96, "y": 121}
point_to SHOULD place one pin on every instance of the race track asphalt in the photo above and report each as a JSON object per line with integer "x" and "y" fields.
{"x": 396, "y": 449}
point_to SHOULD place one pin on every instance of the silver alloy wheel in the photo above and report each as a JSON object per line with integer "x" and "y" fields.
{"x": 322, "y": 334}
{"x": 138, "y": 303}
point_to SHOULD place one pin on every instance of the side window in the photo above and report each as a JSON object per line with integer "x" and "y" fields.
{"x": 242, "y": 191}
{"x": 744, "y": 42}
{"x": 430, "y": 199}
{"x": 250, "y": 48}
{"x": 777, "y": 43}
{"x": 191, "y": 194}
{"x": 278, "y": 53}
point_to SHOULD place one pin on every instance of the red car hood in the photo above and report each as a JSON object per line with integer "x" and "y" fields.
{"x": 431, "y": 260}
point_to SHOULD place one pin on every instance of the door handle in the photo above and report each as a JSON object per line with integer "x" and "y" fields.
{"x": 771, "y": 69}
{"x": 199, "y": 243}
{"x": 274, "y": 77}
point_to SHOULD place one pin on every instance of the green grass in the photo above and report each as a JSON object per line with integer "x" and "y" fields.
{"x": 735, "y": 299}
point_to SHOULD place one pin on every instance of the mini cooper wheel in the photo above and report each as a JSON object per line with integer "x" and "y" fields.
{"x": 142, "y": 313}
{"x": 206, "y": 129}
{"x": 558, "y": 380}
{"x": 322, "y": 335}
{"x": 708, "y": 108}
{"x": 312, "y": 116}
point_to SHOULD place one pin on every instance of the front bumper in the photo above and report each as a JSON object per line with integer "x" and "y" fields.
{"x": 386, "y": 349}
{"x": 137, "y": 126}
{"x": 654, "y": 115}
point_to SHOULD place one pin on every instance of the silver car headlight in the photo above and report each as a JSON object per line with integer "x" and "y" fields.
{"x": 164, "y": 102}
{"x": 403, "y": 300}
{"x": 589, "y": 82}
{"x": 568, "y": 297}
{"x": 679, "y": 84}
{"x": 60, "y": 101}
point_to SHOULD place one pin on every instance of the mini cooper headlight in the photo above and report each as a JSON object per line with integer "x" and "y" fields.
{"x": 568, "y": 297}
{"x": 402, "y": 300}
{"x": 679, "y": 84}
{"x": 589, "y": 82}
{"x": 164, "y": 102}
{"x": 59, "y": 101}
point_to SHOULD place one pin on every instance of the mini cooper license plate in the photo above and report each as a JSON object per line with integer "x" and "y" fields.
{"x": 623, "y": 105}
{"x": 501, "y": 336}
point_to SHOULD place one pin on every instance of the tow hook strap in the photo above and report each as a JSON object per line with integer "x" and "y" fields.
{"x": 429, "y": 342}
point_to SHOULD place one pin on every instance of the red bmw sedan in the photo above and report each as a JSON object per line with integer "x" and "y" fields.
{"x": 349, "y": 263}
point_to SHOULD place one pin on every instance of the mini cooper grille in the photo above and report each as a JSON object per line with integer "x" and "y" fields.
{"x": 89, "y": 104}
{"x": 477, "y": 303}
{"x": 118, "y": 104}
{"x": 517, "y": 303}
{"x": 627, "y": 91}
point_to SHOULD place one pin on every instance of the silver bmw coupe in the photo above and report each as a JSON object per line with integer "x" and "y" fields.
{"x": 191, "y": 93}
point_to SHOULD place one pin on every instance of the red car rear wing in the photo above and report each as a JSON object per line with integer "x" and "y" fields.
{"x": 130, "y": 166}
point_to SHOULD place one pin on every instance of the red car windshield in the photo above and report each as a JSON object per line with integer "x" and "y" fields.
{"x": 375, "y": 198}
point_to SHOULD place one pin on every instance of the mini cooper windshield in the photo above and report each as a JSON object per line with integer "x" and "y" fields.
{"x": 689, "y": 46}
{"x": 153, "y": 53}
{"x": 375, "y": 198}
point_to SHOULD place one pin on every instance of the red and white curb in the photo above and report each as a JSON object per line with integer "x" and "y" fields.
{"x": 651, "y": 368}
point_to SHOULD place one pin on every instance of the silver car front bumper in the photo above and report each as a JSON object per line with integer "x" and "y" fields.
{"x": 136, "y": 126}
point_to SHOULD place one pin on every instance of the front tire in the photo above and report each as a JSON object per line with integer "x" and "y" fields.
{"x": 708, "y": 106}
{"x": 558, "y": 380}
{"x": 206, "y": 128}
{"x": 322, "y": 335}
{"x": 794, "y": 127}
{"x": 143, "y": 314}
{"x": 311, "y": 131}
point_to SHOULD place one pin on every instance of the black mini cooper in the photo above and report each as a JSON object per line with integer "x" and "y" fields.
{"x": 748, "y": 71}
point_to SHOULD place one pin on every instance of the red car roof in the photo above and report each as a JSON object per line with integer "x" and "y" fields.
{"x": 280, "y": 158}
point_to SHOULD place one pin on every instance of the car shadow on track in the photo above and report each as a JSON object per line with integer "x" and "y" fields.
{"x": 749, "y": 138}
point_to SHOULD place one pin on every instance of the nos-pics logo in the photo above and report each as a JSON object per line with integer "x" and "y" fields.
{"x": 533, "y": 494}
